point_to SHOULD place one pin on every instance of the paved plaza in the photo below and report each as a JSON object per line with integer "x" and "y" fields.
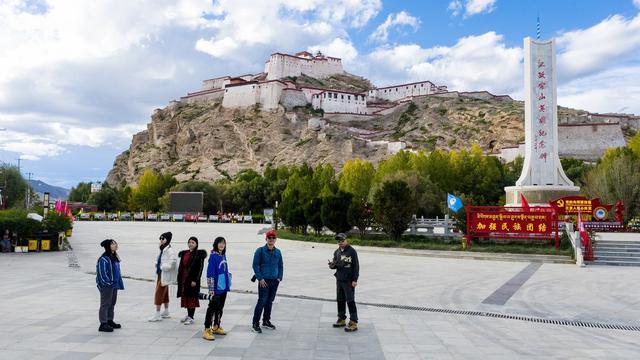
{"x": 48, "y": 310}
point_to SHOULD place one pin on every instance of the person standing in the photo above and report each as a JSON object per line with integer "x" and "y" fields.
{"x": 219, "y": 282}
{"x": 345, "y": 262}
{"x": 5, "y": 243}
{"x": 108, "y": 281}
{"x": 189, "y": 274}
{"x": 167, "y": 274}
{"x": 268, "y": 269}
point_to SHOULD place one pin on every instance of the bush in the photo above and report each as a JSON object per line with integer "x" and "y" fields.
{"x": 17, "y": 221}
{"x": 56, "y": 222}
{"x": 334, "y": 212}
{"x": 393, "y": 207}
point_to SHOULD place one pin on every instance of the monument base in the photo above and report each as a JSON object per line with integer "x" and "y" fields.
{"x": 538, "y": 195}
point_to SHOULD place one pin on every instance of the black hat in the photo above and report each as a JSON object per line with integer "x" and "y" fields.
{"x": 167, "y": 236}
{"x": 341, "y": 236}
{"x": 106, "y": 243}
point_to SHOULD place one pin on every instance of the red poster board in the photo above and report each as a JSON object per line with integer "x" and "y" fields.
{"x": 568, "y": 208}
{"x": 512, "y": 222}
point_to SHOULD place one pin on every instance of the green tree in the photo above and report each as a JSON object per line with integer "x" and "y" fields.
{"x": 360, "y": 215}
{"x": 106, "y": 199}
{"x": 313, "y": 215}
{"x": 616, "y": 177}
{"x": 80, "y": 192}
{"x": 13, "y": 186}
{"x": 151, "y": 187}
{"x": 356, "y": 178}
{"x": 393, "y": 207}
{"x": 334, "y": 212}
{"x": 124, "y": 198}
{"x": 634, "y": 144}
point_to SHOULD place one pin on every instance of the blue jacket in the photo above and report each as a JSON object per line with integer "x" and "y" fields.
{"x": 218, "y": 277}
{"x": 108, "y": 273}
{"x": 267, "y": 264}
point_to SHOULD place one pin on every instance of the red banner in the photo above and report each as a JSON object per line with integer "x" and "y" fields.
{"x": 569, "y": 207}
{"x": 509, "y": 221}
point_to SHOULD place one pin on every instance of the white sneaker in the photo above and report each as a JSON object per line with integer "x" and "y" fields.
{"x": 184, "y": 319}
{"x": 156, "y": 317}
{"x": 165, "y": 314}
{"x": 189, "y": 321}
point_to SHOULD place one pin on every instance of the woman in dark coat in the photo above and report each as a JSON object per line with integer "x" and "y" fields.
{"x": 189, "y": 273}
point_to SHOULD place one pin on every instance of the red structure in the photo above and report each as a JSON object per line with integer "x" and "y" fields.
{"x": 536, "y": 223}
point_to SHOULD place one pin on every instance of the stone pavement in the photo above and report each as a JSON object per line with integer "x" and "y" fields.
{"x": 49, "y": 311}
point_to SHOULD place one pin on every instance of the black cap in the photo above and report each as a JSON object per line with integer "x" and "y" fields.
{"x": 341, "y": 236}
{"x": 167, "y": 236}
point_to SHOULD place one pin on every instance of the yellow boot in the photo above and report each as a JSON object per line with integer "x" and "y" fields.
{"x": 218, "y": 330}
{"x": 208, "y": 334}
{"x": 353, "y": 326}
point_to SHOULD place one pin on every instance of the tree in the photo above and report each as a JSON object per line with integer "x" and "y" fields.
{"x": 124, "y": 198}
{"x": 13, "y": 186}
{"x": 360, "y": 215}
{"x": 106, "y": 199}
{"x": 575, "y": 170}
{"x": 151, "y": 187}
{"x": 393, "y": 207}
{"x": 313, "y": 214}
{"x": 356, "y": 178}
{"x": 334, "y": 211}
{"x": 80, "y": 192}
{"x": 616, "y": 177}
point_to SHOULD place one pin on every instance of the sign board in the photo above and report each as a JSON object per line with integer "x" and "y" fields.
{"x": 569, "y": 207}
{"x": 185, "y": 202}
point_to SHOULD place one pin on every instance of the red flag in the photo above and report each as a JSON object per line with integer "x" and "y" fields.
{"x": 584, "y": 239}
{"x": 523, "y": 200}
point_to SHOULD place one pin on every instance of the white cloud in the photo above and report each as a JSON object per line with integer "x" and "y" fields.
{"x": 338, "y": 47}
{"x": 471, "y": 7}
{"x": 480, "y": 62}
{"x": 242, "y": 29}
{"x": 636, "y": 3}
{"x": 611, "y": 42}
{"x": 402, "y": 18}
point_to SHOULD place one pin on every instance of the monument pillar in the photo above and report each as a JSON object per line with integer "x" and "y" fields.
{"x": 542, "y": 178}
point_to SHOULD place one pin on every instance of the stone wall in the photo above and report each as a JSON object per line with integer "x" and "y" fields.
{"x": 293, "y": 97}
{"x": 284, "y": 65}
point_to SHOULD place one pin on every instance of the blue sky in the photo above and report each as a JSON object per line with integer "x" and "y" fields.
{"x": 81, "y": 77}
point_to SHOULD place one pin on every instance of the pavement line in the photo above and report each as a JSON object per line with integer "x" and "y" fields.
{"x": 562, "y": 322}
{"x": 506, "y": 291}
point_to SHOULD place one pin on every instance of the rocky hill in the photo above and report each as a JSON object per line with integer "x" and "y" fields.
{"x": 206, "y": 141}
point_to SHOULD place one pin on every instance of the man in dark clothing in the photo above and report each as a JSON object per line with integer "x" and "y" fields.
{"x": 268, "y": 270}
{"x": 345, "y": 262}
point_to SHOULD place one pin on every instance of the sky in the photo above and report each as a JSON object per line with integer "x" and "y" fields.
{"x": 78, "y": 78}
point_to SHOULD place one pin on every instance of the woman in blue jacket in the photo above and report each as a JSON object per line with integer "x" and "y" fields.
{"x": 219, "y": 281}
{"x": 109, "y": 281}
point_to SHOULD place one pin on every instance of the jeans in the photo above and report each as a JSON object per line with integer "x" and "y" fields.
{"x": 266, "y": 295}
{"x": 108, "y": 298}
{"x": 214, "y": 310}
{"x": 346, "y": 295}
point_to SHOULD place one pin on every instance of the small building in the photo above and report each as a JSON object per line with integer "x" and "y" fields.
{"x": 335, "y": 101}
{"x": 405, "y": 91}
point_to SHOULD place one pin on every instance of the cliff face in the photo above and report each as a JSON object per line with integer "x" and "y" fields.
{"x": 208, "y": 142}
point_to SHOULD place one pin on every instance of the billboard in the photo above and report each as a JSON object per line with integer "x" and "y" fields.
{"x": 185, "y": 202}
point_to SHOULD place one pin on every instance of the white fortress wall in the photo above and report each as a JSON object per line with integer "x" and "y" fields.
{"x": 589, "y": 141}
{"x": 240, "y": 95}
{"x": 397, "y": 92}
{"x": 340, "y": 102}
{"x": 269, "y": 93}
{"x": 203, "y": 96}
{"x": 284, "y": 65}
{"x": 216, "y": 83}
{"x": 293, "y": 97}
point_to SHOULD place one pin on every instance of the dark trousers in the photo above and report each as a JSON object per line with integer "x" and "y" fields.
{"x": 346, "y": 296}
{"x": 214, "y": 310}
{"x": 108, "y": 298}
{"x": 266, "y": 295}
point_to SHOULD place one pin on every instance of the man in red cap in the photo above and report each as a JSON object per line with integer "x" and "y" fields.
{"x": 268, "y": 270}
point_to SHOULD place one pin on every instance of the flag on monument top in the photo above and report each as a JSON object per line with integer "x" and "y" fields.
{"x": 454, "y": 203}
{"x": 523, "y": 200}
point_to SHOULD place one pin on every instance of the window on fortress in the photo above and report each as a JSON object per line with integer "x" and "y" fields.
{"x": 348, "y": 97}
{"x": 421, "y": 85}
{"x": 342, "y": 97}
{"x": 407, "y": 87}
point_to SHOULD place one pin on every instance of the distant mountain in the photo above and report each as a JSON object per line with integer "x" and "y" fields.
{"x": 55, "y": 192}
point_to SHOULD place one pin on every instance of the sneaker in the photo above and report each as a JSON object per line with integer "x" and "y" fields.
{"x": 256, "y": 328}
{"x": 184, "y": 319}
{"x": 268, "y": 325}
{"x": 165, "y": 314}
{"x": 340, "y": 323}
{"x": 155, "y": 317}
{"x": 208, "y": 334}
{"x": 219, "y": 331}
{"x": 189, "y": 321}
{"x": 353, "y": 326}
{"x": 113, "y": 324}
{"x": 104, "y": 327}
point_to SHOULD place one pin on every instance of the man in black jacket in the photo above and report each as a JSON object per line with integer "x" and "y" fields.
{"x": 345, "y": 262}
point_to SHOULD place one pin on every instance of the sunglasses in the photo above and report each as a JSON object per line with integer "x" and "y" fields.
{"x": 271, "y": 238}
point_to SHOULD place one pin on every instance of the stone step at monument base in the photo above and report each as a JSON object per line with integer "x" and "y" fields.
{"x": 616, "y": 253}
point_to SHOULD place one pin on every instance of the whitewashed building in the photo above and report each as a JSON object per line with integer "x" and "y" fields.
{"x": 334, "y": 101}
{"x": 318, "y": 66}
{"x": 406, "y": 91}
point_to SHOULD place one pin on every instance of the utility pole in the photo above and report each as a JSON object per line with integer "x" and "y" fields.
{"x": 19, "y": 159}
{"x": 28, "y": 198}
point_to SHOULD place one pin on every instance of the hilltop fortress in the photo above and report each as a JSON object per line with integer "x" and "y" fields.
{"x": 277, "y": 86}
